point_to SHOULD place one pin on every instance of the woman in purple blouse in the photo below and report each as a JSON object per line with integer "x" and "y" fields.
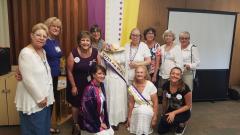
{"x": 94, "y": 114}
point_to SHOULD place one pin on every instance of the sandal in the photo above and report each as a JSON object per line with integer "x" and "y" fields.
{"x": 76, "y": 129}
{"x": 54, "y": 131}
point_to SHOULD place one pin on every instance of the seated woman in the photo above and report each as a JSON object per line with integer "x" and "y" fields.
{"x": 94, "y": 115}
{"x": 177, "y": 102}
{"x": 143, "y": 103}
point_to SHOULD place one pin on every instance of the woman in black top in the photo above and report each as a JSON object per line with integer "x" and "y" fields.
{"x": 177, "y": 102}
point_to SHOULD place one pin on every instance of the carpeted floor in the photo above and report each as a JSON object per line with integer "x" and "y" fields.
{"x": 208, "y": 118}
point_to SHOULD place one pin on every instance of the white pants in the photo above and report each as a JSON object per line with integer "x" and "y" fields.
{"x": 188, "y": 79}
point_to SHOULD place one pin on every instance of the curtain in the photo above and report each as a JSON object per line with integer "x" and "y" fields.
{"x": 23, "y": 14}
{"x": 96, "y": 14}
{"x": 4, "y": 28}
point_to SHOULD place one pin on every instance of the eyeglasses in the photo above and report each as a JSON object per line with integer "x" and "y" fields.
{"x": 184, "y": 38}
{"x": 40, "y": 35}
{"x": 55, "y": 26}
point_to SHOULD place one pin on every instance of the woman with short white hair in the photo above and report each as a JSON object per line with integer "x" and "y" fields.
{"x": 191, "y": 58}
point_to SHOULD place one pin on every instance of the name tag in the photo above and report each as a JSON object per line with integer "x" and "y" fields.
{"x": 57, "y": 48}
{"x": 89, "y": 78}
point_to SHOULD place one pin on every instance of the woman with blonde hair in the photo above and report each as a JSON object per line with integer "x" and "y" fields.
{"x": 34, "y": 92}
{"x": 54, "y": 53}
{"x": 143, "y": 103}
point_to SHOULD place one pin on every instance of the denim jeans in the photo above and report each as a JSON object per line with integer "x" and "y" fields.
{"x": 37, "y": 123}
{"x": 164, "y": 126}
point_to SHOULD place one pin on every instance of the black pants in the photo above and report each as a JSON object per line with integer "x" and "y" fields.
{"x": 157, "y": 79}
{"x": 164, "y": 126}
{"x": 56, "y": 96}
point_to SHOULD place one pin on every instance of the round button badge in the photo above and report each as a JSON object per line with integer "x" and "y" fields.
{"x": 179, "y": 96}
{"x": 76, "y": 59}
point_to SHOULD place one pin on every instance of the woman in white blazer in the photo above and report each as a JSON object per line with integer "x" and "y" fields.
{"x": 191, "y": 59}
{"x": 34, "y": 92}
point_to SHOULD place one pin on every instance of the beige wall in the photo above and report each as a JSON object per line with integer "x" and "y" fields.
{"x": 4, "y": 29}
{"x": 155, "y": 13}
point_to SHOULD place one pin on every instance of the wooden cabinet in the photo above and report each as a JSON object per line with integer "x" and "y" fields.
{"x": 64, "y": 112}
{"x": 65, "y": 107}
{"x": 8, "y": 112}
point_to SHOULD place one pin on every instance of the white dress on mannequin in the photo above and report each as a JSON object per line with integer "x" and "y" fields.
{"x": 116, "y": 92}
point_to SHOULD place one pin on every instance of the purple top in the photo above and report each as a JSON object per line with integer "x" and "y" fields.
{"x": 81, "y": 71}
{"x": 54, "y": 54}
{"x": 90, "y": 109}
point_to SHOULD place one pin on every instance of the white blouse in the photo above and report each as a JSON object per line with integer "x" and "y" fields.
{"x": 186, "y": 53}
{"x": 170, "y": 59}
{"x": 135, "y": 54}
{"x": 148, "y": 91}
{"x": 36, "y": 83}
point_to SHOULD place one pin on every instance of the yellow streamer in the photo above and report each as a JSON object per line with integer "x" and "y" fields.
{"x": 130, "y": 18}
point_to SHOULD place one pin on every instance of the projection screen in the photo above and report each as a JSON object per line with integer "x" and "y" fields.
{"x": 211, "y": 32}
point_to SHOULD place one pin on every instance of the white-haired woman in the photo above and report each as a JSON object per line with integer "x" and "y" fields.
{"x": 191, "y": 58}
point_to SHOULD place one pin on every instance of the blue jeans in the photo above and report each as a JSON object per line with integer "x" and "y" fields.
{"x": 36, "y": 123}
{"x": 164, "y": 126}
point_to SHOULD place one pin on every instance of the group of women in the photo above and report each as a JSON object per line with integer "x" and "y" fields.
{"x": 99, "y": 75}
{"x": 171, "y": 68}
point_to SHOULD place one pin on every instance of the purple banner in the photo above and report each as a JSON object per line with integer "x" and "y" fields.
{"x": 96, "y": 14}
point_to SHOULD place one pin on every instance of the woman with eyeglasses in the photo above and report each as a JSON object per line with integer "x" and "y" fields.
{"x": 191, "y": 59}
{"x": 154, "y": 47}
{"x": 53, "y": 53}
{"x": 34, "y": 94}
{"x": 137, "y": 54}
